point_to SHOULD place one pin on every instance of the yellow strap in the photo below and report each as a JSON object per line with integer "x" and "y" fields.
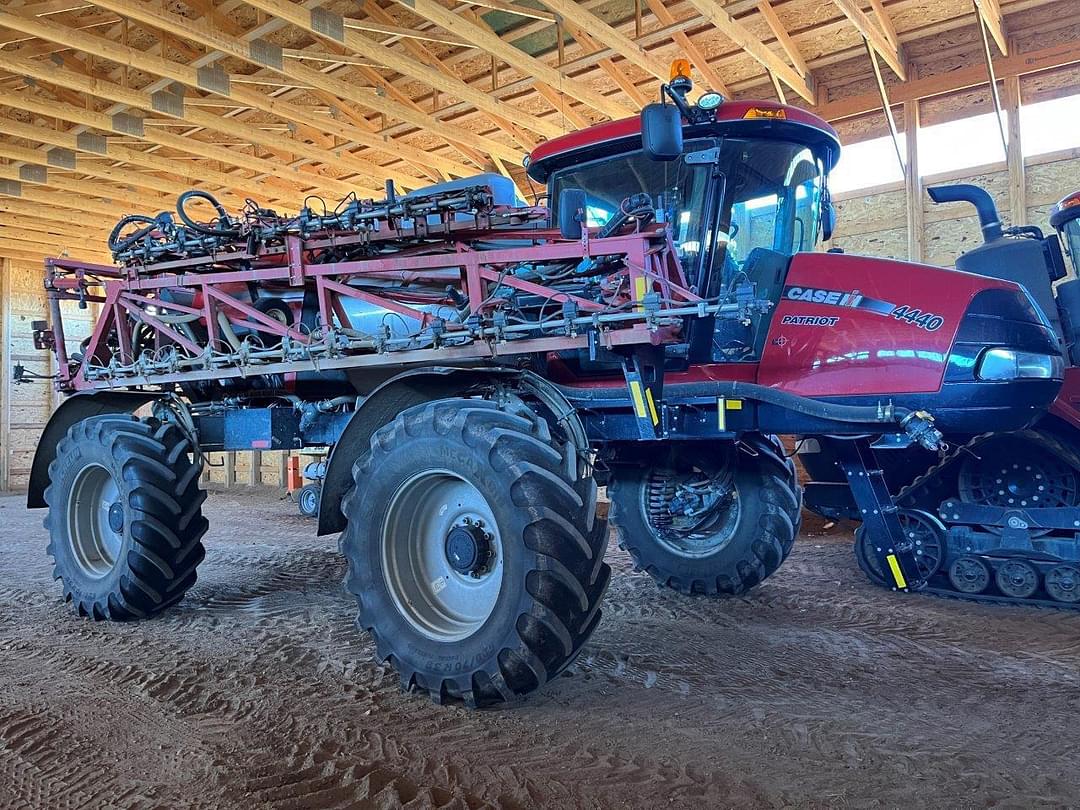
{"x": 639, "y": 401}
{"x": 652, "y": 407}
{"x": 898, "y": 575}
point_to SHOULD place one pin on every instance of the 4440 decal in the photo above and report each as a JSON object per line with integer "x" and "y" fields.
{"x": 853, "y": 299}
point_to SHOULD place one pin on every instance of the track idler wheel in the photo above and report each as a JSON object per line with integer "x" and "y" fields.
{"x": 924, "y": 531}
{"x": 1017, "y": 579}
{"x": 1062, "y": 583}
{"x": 969, "y": 575}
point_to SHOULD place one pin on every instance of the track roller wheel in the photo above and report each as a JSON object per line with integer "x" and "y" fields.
{"x": 1062, "y": 582}
{"x": 125, "y": 516}
{"x": 969, "y": 575}
{"x": 924, "y": 531}
{"x": 718, "y": 523}
{"x": 473, "y": 550}
{"x": 1017, "y": 579}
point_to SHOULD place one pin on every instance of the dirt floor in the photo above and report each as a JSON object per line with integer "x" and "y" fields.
{"x": 258, "y": 691}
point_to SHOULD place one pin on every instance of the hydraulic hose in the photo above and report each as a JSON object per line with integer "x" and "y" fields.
{"x": 223, "y": 215}
{"x": 856, "y": 414}
{"x": 116, "y": 244}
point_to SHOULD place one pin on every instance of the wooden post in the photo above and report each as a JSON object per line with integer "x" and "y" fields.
{"x": 1014, "y": 154}
{"x": 5, "y": 377}
{"x": 255, "y": 469}
{"x": 230, "y": 469}
{"x": 916, "y": 219}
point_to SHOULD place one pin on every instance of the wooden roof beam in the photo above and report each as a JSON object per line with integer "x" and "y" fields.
{"x": 193, "y": 176}
{"x": 364, "y": 46}
{"x": 990, "y": 15}
{"x": 696, "y": 56}
{"x": 47, "y": 71}
{"x": 741, "y": 36}
{"x": 220, "y": 85}
{"x": 584, "y": 20}
{"x": 198, "y": 31}
{"x": 530, "y": 66}
{"x": 874, "y": 35}
{"x": 783, "y": 37}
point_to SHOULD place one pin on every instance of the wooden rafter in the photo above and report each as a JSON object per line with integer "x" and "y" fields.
{"x": 362, "y": 45}
{"x": 990, "y": 14}
{"x": 874, "y": 36}
{"x": 393, "y": 148}
{"x": 745, "y": 39}
{"x": 528, "y": 65}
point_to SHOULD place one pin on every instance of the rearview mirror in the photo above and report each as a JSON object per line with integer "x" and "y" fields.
{"x": 661, "y": 131}
{"x": 571, "y": 212}
{"x": 828, "y": 217}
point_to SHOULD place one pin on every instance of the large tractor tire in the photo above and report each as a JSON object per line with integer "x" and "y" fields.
{"x": 474, "y": 551}
{"x": 125, "y": 516}
{"x": 718, "y": 523}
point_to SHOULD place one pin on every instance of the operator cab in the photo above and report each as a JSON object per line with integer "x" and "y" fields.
{"x": 741, "y": 186}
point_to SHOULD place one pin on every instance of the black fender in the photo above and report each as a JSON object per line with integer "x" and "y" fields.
{"x": 382, "y": 405}
{"x": 75, "y": 409}
{"x": 415, "y": 387}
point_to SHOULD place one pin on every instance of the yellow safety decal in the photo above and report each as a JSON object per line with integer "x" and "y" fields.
{"x": 652, "y": 406}
{"x": 639, "y": 401}
{"x": 734, "y": 404}
{"x": 721, "y": 414}
{"x": 898, "y": 575}
{"x": 641, "y": 286}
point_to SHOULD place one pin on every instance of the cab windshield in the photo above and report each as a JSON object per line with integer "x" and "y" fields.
{"x": 771, "y": 198}
{"x": 678, "y": 190}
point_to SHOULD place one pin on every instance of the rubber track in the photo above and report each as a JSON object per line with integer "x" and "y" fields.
{"x": 564, "y": 595}
{"x": 1045, "y": 438}
{"x": 165, "y": 507}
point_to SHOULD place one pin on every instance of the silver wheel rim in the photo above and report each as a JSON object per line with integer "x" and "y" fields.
{"x": 92, "y": 521}
{"x": 439, "y": 601}
{"x": 695, "y": 544}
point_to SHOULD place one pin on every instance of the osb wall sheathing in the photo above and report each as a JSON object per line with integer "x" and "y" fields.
{"x": 28, "y": 405}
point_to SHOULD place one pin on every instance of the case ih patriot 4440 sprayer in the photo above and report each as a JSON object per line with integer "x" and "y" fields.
{"x": 479, "y": 366}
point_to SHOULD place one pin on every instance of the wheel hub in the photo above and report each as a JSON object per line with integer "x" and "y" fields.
{"x": 468, "y": 549}
{"x": 116, "y": 517}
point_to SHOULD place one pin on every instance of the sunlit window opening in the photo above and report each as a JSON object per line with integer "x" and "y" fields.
{"x": 867, "y": 164}
{"x": 973, "y": 141}
{"x": 1050, "y": 126}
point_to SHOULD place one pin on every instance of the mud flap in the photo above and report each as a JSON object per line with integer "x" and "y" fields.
{"x": 878, "y": 512}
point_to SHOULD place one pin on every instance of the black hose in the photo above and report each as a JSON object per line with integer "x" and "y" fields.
{"x": 116, "y": 244}
{"x": 223, "y": 215}
{"x": 857, "y": 414}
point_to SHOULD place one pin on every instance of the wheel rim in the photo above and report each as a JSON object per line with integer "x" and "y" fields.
{"x": 433, "y": 522}
{"x": 308, "y": 502}
{"x": 691, "y": 513}
{"x": 924, "y": 532}
{"x": 1017, "y": 579}
{"x": 95, "y": 521}
{"x": 969, "y": 575}
{"x": 1062, "y": 582}
{"x": 1007, "y": 474}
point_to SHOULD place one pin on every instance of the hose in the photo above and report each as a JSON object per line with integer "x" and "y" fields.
{"x": 116, "y": 244}
{"x": 223, "y": 215}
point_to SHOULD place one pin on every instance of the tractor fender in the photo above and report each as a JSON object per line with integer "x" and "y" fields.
{"x": 410, "y": 388}
{"x": 72, "y": 410}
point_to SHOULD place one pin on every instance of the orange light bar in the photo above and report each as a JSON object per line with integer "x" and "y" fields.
{"x": 759, "y": 112}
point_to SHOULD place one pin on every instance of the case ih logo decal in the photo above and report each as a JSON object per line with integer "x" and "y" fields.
{"x": 856, "y": 300}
